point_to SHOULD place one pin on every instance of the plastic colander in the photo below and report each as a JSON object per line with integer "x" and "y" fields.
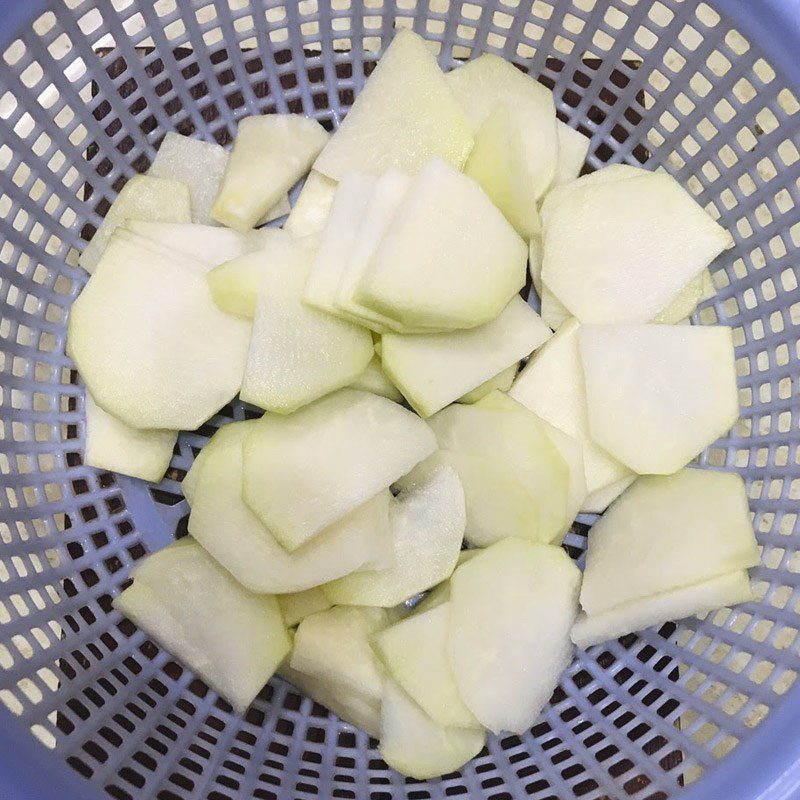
{"x": 704, "y": 709}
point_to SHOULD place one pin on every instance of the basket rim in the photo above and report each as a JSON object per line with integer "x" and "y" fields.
{"x": 765, "y": 767}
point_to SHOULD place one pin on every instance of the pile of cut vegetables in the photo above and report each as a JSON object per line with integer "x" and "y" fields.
{"x": 387, "y": 535}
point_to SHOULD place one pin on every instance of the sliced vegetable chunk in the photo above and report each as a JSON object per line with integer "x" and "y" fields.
{"x": 305, "y": 471}
{"x": 235, "y": 643}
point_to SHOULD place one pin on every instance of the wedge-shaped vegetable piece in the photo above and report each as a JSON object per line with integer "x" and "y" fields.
{"x": 518, "y": 448}
{"x": 353, "y": 707}
{"x": 338, "y": 239}
{"x": 569, "y": 448}
{"x": 335, "y": 645}
{"x": 497, "y": 502}
{"x": 208, "y": 246}
{"x": 658, "y": 394}
{"x": 404, "y": 116}
{"x": 281, "y": 209}
{"x": 224, "y": 436}
{"x": 142, "y": 197}
{"x": 725, "y": 590}
{"x": 434, "y": 370}
{"x": 573, "y": 147}
{"x": 552, "y": 386}
{"x": 112, "y": 445}
{"x": 414, "y": 652}
{"x": 373, "y": 379}
{"x": 387, "y": 194}
{"x": 310, "y": 211}
{"x": 506, "y": 163}
{"x": 304, "y": 472}
{"x": 153, "y": 348}
{"x": 198, "y": 164}
{"x": 223, "y": 524}
{"x": 449, "y": 259}
{"x": 298, "y": 353}
{"x": 270, "y": 153}
{"x": 296, "y": 606}
{"x": 235, "y": 643}
{"x": 236, "y": 284}
{"x": 416, "y": 746}
{"x": 599, "y": 500}
{"x": 484, "y": 82}
{"x": 666, "y": 532}
{"x": 333, "y": 657}
{"x": 619, "y": 251}
{"x": 512, "y": 609}
{"x": 501, "y": 382}
{"x": 554, "y": 312}
{"x": 685, "y": 301}
{"x": 427, "y": 524}
{"x": 201, "y": 166}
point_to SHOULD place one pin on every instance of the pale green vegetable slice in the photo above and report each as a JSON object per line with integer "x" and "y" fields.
{"x": 666, "y": 532}
{"x": 573, "y": 147}
{"x": 270, "y": 153}
{"x": 685, "y": 301}
{"x": 332, "y": 659}
{"x": 335, "y": 645}
{"x": 350, "y": 204}
{"x": 356, "y": 708}
{"x": 498, "y": 503}
{"x": 512, "y": 609}
{"x": 414, "y": 652}
{"x": 404, "y": 116}
{"x": 305, "y": 471}
{"x": 297, "y": 353}
{"x": 552, "y": 386}
{"x": 413, "y": 744}
{"x": 152, "y": 346}
{"x": 373, "y": 379}
{"x": 427, "y": 525}
{"x": 554, "y": 312}
{"x": 205, "y": 245}
{"x": 645, "y": 612}
{"x": 112, "y": 445}
{"x": 296, "y": 606}
{"x": 600, "y": 499}
{"x": 387, "y": 194}
{"x": 449, "y": 259}
{"x": 569, "y": 448}
{"x": 434, "y": 370}
{"x": 224, "y": 436}
{"x": 518, "y": 447}
{"x": 235, "y": 643}
{"x": 236, "y": 284}
{"x": 619, "y": 251}
{"x": 310, "y": 211}
{"x": 501, "y": 382}
{"x": 198, "y": 164}
{"x": 658, "y": 394}
{"x": 142, "y": 197}
{"x": 506, "y": 164}
{"x": 281, "y": 208}
{"x": 223, "y": 524}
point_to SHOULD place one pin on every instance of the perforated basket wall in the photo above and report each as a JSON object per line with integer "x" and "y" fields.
{"x": 87, "y": 90}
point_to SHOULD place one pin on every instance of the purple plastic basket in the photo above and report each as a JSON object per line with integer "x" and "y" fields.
{"x": 704, "y": 709}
